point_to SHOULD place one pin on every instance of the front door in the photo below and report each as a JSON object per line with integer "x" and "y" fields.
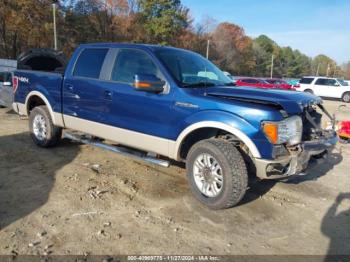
{"x": 134, "y": 110}
{"x": 324, "y": 86}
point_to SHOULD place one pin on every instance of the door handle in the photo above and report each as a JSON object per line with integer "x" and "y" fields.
{"x": 108, "y": 94}
{"x": 69, "y": 87}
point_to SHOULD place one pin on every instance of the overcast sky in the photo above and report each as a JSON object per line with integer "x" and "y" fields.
{"x": 312, "y": 26}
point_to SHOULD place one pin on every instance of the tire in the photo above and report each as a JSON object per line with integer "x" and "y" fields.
{"x": 52, "y": 134}
{"x": 308, "y": 91}
{"x": 346, "y": 97}
{"x": 234, "y": 177}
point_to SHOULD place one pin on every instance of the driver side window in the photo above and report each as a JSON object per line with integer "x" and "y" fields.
{"x": 130, "y": 62}
{"x": 331, "y": 82}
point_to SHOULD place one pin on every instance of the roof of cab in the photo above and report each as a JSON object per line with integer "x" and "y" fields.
{"x": 129, "y": 45}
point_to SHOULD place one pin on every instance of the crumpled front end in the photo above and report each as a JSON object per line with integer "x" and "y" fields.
{"x": 294, "y": 160}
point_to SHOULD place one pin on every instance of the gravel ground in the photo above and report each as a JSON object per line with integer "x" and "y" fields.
{"x": 76, "y": 199}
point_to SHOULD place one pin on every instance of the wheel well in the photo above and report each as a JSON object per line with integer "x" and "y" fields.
{"x": 33, "y": 102}
{"x": 201, "y": 134}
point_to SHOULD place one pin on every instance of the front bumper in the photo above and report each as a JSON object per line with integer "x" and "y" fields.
{"x": 298, "y": 159}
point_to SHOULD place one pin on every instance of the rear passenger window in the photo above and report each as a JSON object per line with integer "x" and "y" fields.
{"x": 325, "y": 82}
{"x": 251, "y": 81}
{"x": 321, "y": 82}
{"x": 90, "y": 62}
{"x": 306, "y": 80}
{"x": 131, "y": 62}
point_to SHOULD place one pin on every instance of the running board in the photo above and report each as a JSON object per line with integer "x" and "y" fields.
{"x": 117, "y": 149}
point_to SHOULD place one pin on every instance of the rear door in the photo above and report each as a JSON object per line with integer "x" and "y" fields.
{"x": 324, "y": 87}
{"x": 6, "y": 90}
{"x": 83, "y": 94}
{"x": 306, "y": 83}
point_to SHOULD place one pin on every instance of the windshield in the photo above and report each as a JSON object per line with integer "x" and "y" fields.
{"x": 191, "y": 69}
{"x": 342, "y": 82}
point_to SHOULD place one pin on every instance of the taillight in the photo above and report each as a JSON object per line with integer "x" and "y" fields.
{"x": 14, "y": 83}
{"x": 296, "y": 86}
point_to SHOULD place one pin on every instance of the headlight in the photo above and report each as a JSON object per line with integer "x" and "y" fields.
{"x": 287, "y": 131}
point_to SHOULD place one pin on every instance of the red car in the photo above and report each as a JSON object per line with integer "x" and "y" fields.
{"x": 264, "y": 83}
{"x": 254, "y": 82}
{"x": 280, "y": 84}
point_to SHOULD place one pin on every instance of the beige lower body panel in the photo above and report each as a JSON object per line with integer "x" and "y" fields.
{"x": 125, "y": 137}
{"x": 20, "y": 108}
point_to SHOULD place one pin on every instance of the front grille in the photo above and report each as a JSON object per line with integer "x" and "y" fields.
{"x": 312, "y": 123}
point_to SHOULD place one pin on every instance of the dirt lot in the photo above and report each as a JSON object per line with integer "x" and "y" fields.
{"x": 58, "y": 201}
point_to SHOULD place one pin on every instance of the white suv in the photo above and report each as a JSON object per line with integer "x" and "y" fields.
{"x": 326, "y": 87}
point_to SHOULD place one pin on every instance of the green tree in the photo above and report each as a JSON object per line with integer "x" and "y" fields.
{"x": 263, "y": 48}
{"x": 324, "y": 66}
{"x": 346, "y": 70}
{"x": 163, "y": 20}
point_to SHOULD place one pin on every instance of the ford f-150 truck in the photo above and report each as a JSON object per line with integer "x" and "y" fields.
{"x": 155, "y": 101}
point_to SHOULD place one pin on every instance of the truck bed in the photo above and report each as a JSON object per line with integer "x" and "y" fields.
{"x": 47, "y": 83}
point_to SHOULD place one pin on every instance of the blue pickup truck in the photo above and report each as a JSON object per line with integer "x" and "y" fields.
{"x": 169, "y": 103}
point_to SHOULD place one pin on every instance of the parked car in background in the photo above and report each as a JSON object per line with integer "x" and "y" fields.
{"x": 6, "y": 91}
{"x": 280, "y": 84}
{"x": 230, "y": 76}
{"x": 292, "y": 81}
{"x": 254, "y": 82}
{"x": 326, "y": 87}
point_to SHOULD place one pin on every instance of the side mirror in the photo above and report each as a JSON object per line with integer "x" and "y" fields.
{"x": 148, "y": 83}
{"x": 336, "y": 84}
{"x": 7, "y": 84}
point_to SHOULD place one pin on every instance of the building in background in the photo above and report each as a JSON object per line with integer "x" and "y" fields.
{"x": 7, "y": 65}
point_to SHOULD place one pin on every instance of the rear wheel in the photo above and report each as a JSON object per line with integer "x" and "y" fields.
{"x": 217, "y": 173}
{"x": 346, "y": 97}
{"x": 42, "y": 129}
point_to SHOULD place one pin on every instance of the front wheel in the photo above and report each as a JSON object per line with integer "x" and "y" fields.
{"x": 217, "y": 173}
{"x": 42, "y": 130}
{"x": 346, "y": 97}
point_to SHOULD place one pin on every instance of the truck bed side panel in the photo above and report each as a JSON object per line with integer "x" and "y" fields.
{"x": 48, "y": 84}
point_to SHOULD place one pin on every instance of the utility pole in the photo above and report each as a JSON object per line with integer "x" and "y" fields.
{"x": 318, "y": 69}
{"x": 208, "y": 45}
{"x": 271, "y": 75}
{"x": 328, "y": 69}
{"x": 54, "y": 24}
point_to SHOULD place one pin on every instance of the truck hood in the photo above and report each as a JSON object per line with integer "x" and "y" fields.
{"x": 293, "y": 102}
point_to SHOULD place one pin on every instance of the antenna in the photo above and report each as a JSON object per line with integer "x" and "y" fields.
{"x": 205, "y": 83}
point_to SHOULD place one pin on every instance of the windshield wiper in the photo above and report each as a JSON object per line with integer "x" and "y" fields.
{"x": 199, "y": 84}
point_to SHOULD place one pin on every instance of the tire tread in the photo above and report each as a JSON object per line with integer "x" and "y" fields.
{"x": 238, "y": 171}
{"x": 55, "y": 133}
